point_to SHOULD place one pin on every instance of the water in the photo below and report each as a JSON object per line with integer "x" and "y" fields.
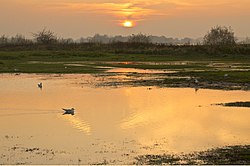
{"x": 141, "y": 71}
{"x": 111, "y": 125}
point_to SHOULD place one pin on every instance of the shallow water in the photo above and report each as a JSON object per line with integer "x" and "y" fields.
{"x": 134, "y": 70}
{"x": 111, "y": 125}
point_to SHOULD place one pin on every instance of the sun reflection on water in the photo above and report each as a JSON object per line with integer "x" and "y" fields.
{"x": 78, "y": 123}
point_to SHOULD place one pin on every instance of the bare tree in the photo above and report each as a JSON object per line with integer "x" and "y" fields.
{"x": 139, "y": 38}
{"x": 220, "y": 35}
{"x": 45, "y": 37}
{"x": 3, "y": 39}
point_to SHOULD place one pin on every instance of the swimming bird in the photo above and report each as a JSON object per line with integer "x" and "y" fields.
{"x": 40, "y": 85}
{"x": 69, "y": 111}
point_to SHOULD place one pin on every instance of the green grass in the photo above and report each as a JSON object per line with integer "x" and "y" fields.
{"x": 107, "y": 56}
{"x": 196, "y": 65}
{"x": 10, "y": 60}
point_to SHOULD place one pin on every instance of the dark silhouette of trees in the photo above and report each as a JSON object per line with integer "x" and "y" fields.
{"x": 45, "y": 37}
{"x": 65, "y": 41}
{"x": 220, "y": 35}
{"x": 139, "y": 38}
{"x": 100, "y": 39}
{"x": 3, "y": 39}
{"x": 19, "y": 40}
{"x": 246, "y": 41}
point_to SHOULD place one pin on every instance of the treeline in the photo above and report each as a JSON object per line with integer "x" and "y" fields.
{"x": 218, "y": 40}
{"x": 49, "y": 37}
{"x": 135, "y": 48}
{"x": 219, "y": 35}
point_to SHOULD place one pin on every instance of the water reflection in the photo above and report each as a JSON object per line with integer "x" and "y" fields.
{"x": 144, "y": 118}
{"x": 22, "y": 112}
{"x": 26, "y": 113}
{"x": 141, "y": 71}
{"x": 78, "y": 123}
{"x": 177, "y": 119}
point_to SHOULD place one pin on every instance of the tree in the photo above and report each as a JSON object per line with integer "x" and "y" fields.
{"x": 97, "y": 38}
{"x": 45, "y": 37}
{"x": 220, "y": 35}
{"x": 65, "y": 41}
{"x": 3, "y": 39}
{"x": 139, "y": 38}
{"x": 19, "y": 39}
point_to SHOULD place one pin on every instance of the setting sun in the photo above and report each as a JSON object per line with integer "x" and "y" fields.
{"x": 128, "y": 24}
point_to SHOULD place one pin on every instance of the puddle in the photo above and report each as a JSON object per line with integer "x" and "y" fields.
{"x": 76, "y": 65}
{"x": 152, "y": 63}
{"x": 111, "y": 125}
{"x": 140, "y": 71}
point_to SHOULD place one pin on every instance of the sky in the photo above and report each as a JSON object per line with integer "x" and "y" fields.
{"x": 82, "y": 18}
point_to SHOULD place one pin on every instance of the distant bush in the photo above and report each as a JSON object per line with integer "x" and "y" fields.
{"x": 139, "y": 38}
{"x": 45, "y": 37}
{"x": 3, "y": 39}
{"x": 19, "y": 40}
{"x": 220, "y": 36}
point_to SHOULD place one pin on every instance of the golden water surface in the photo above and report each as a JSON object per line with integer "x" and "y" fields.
{"x": 111, "y": 124}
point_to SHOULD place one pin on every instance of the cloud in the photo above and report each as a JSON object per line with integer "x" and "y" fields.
{"x": 126, "y": 10}
{"x": 138, "y": 10}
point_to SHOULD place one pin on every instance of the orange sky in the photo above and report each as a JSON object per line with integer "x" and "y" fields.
{"x": 76, "y": 18}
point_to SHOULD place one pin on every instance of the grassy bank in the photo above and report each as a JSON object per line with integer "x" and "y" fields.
{"x": 11, "y": 60}
{"x": 134, "y": 48}
{"x": 216, "y": 71}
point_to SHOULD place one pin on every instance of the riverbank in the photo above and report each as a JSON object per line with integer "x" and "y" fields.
{"x": 196, "y": 71}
